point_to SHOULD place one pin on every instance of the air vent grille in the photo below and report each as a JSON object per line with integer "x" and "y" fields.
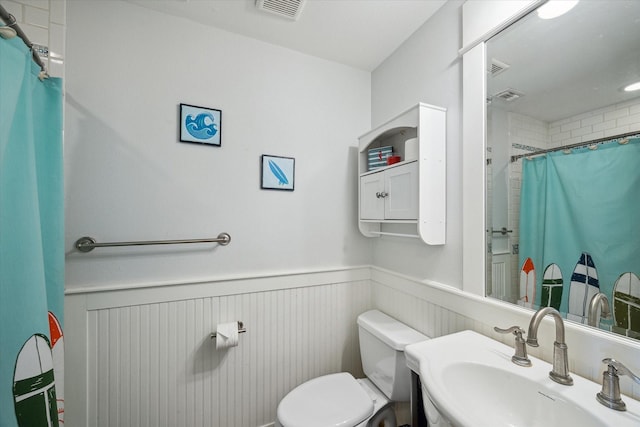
{"x": 496, "y": 67}
{"x": 290, "y": 9}
{"x": 508, "y": 95}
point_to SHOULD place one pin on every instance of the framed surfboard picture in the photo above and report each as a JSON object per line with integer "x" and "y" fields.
{"x": 200, "y": 125}
{"x": 278, "y": 173}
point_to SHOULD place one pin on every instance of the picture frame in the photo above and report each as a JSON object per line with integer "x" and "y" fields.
{"x": 200, "y": 125}
{"x": 277, "y": 173}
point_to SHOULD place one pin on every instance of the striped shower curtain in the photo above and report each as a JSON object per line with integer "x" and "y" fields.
{"x": 31, "y": 243}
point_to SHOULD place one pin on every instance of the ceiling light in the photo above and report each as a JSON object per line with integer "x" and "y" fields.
{"x": 554, "y": 8}
{"x": 632, "y": 87}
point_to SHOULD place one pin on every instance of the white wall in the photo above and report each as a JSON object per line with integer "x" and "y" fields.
{"x": 128, "y": 177}
{"x": 137, "y": 319}
{"x": 426, "y": 68}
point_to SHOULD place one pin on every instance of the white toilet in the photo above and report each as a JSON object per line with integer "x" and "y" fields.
{"x": 339, "y": 400}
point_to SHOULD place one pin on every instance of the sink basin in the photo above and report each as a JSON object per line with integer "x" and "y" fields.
{"x": 525, "y": 403}
{"x": 468, "y": 379}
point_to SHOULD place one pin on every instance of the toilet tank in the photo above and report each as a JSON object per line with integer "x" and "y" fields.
{"x": 382, "y": 343}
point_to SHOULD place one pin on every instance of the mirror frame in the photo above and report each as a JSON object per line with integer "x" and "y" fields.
{"x": 481, "y": 20}
{"x": 476, "y": 239}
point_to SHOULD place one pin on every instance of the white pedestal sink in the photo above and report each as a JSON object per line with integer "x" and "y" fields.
{"x": 468, "y": 380}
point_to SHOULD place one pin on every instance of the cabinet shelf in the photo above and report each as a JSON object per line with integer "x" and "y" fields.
{"x": 404, "y": 162}
{"x": 390, "y": 221}
{"x": 409, "y": 194}
{"x": 385, "y": 233}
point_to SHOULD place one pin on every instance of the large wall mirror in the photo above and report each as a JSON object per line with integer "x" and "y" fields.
{"x": 563, "y": 164}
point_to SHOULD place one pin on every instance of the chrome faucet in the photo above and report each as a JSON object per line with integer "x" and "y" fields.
{"x": 560, "y": 372}
{"x": 520, "y": 358}
{"x": 601, "y": 300}
{"x": 610, "y": 394}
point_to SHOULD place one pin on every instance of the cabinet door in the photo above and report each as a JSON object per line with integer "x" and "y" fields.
{"x": 401, "y": 188}
{"x": 371, "y": 200}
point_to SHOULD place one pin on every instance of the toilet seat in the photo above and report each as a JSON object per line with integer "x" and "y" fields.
{"x": 334, "y": 400}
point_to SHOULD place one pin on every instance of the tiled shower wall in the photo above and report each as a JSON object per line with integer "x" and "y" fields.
{"x": 526, "y": 135}
{"x": 604, "y": 122}
{"x": 43, "y": 21}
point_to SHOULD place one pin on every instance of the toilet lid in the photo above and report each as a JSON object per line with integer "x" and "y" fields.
{"x": 335, "y": 400}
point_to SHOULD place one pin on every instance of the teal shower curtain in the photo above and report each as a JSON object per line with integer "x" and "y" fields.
{"x": 31, "y": 242}
{"x": 579, "y": 224}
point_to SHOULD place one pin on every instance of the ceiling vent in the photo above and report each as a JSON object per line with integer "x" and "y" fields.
{"x": 290, "y": 9}
{"x": 496, "y": 67}
{"x": 508, "y": 95}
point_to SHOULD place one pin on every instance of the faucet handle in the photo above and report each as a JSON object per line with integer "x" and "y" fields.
{"x": 621, "y": 369}
{"x": 609, "y": 396}
{"x": 515, "y": 329}
{"x": 520, "y": 358}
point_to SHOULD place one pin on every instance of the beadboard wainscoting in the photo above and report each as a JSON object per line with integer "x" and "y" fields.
{"x": 142, "y": 356}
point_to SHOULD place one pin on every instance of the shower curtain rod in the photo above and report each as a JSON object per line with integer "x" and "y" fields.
{"x": 576, "y": 145}
{"x": 11, "y": 22}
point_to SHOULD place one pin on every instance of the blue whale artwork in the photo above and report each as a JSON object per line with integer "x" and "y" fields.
{"x": 202, "y": 126}
{"x": 278, "y": 173}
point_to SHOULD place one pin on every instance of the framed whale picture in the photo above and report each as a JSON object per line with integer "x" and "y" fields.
{"x": 200, "y": 125}
{"x": 278, "y": 173}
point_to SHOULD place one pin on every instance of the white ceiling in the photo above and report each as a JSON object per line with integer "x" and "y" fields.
{"x": 359, "y": 33}
{"x": 572, "y": 64}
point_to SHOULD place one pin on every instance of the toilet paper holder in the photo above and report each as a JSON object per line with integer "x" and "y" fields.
{"x": 241, "y": 330}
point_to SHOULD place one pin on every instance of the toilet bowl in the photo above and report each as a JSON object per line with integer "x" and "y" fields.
{"x": 333, "y": 400}
{"x": 340, "y": 400}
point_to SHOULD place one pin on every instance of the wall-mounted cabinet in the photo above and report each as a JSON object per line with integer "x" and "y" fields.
{"x": 408, "y": 198}
{"x": 391, "y": 194}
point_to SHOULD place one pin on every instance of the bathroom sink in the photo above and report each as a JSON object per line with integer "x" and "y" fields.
{"x": 468, "y": 379}
{"x": 523, "y": 402}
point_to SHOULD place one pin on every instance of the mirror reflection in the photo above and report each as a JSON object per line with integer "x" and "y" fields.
{"x": 563, "y": 164}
